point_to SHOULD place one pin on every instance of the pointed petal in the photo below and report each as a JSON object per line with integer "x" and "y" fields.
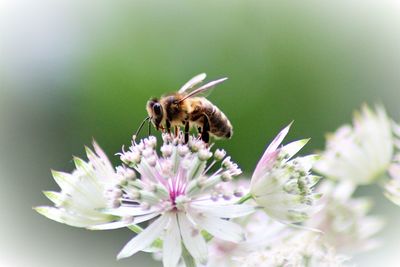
{"x": 144, "y": 239}
{"x": 270, "y": 153}
{"x": 225, "y": 211}
{"x": 50, "y": 212}
{"x": 294, "y": 147}
{"x": 110, "y": 226}
{"x": 81, "y": 165}
{"x": 128, "y": 211}
{"x": 172, "y": 248}
{"x": 124, "y": 223}
{"x": 222, "y": 229}
{"x": 263, "y": 166}
{"x": 64, "y": 180}
{"x": 143, "y": 218}
{"x": 64, "y": 217}
{"x": 100, "y": 152}
{"x": 55, "y": 197}
{"x": 193, "y": 240}
{"x": 278, "y": 139}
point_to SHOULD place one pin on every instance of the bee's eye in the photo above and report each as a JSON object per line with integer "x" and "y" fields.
{"x": 157, "y": 109}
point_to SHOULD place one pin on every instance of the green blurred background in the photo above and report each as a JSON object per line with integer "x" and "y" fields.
{"x": 71, "y": 71}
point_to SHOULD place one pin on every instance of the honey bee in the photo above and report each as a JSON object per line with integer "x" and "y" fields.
{"x": 189, "y": 108}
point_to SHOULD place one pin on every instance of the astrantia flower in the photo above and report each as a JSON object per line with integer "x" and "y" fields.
{"x": 300, "y": 249}
{"x": 283, "y": 186}
{"x": 174, "y": 193}
{"x": 362, "y": 152}
{"x": 261, "y": 230}
{"x": 261, "y": 233}
{"x": 83, "y": 192}
{"x": 344, "y": 220}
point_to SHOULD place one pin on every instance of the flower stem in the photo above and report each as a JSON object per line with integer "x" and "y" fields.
{"x": 245, "y": 198}
{"x": 307, "y": 260}
{"x": 135, "y": 228}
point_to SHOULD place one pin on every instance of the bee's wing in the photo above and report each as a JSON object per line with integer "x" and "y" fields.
{"x": 204, "y": 89}
{"x": 192, "y": 83}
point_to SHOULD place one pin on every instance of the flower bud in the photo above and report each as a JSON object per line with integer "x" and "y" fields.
{"x": 219, "y": 154}
{"x": 204, "y": 154}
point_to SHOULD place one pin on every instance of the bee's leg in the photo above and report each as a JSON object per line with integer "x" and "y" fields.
{"x": 187, "y": 132}
{"x": 168, "y": 126}
{"x": 199, "y": 132}
{"x": 205, "y": 135}
{"x": 176, "y": 130}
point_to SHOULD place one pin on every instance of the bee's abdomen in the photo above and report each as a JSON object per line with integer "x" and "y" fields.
{"x": 220, "y": 126}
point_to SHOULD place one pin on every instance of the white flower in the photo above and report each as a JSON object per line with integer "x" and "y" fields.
{"x": 83, "y": 192}
{"x": 261, "y": 232}
{"x": 392, "y": 186}
{"x": 299, "y": 249}
{"x": 344, "y": 220}
{"x": 174, "y": 191}
{"x": 282, "y": 186}
{"x": 361, "y": 153}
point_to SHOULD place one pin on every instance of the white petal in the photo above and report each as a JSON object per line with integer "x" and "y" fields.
{"x": 225, "y": 211}
{"x": 394, "y": 171}
{"x": 344, "y": 190}
{"x": 101, "y": 153}
{"x": 110, "y": 226}
{"x": 100, "y": 162}
{"x": 222, "y": 229}
{"x": 270, "y": 153}
{"x": 55, "y": 197}
{"x": 194, "y": 242}
{"x": 308, "y": 161}
{"x": 64, "y": 180}
{"x": 144, "y": 239}
{"x": 143, "y": 218}
{"x": 61, "y": 216}
{"x": 278, "y": 140}
{"x": 51, "y": 213}
{"x": 124, "y": 223}
{"x": 263, "y": 166}
{"x": 128, "y": 211}
{"x": 82, "y": 166}
{"x": 292, "y": 148}
{"x": 172, "y": 248}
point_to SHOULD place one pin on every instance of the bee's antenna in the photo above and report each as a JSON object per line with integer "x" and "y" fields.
{"x": 140, "y": 127}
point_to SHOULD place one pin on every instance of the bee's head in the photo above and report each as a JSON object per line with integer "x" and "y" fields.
{"x": 155, "y": 111}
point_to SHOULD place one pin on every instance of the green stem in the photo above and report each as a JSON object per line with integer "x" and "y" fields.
{"x": 135, "y": 228}
{"x": 307, "y": 260}
{"x": 187, "y": 258}
{"x": 245, "y": 198}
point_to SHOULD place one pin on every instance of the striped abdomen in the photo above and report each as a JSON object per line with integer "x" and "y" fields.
{"x": 219, "y": 124}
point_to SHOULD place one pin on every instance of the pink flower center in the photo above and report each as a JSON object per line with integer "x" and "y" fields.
{"x": 177, "y": 186}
